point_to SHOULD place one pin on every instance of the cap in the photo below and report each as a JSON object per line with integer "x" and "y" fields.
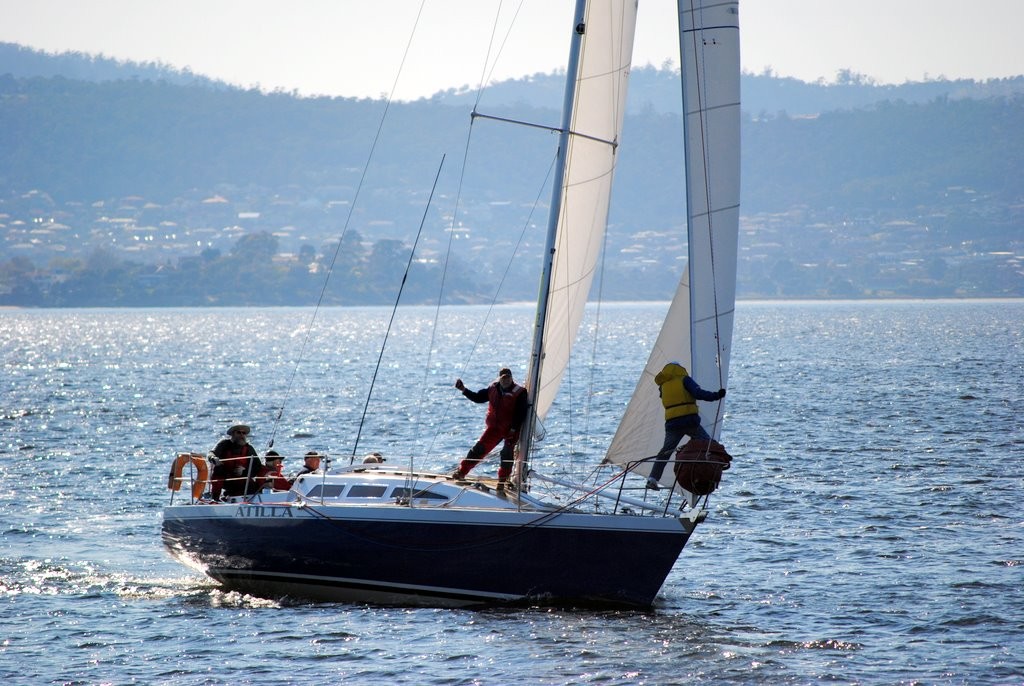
{"x": 273, "y": 455}
{"x": 505, "y": 371}
{"x": 238, "y": 427}
{"x": 312, "y": 453}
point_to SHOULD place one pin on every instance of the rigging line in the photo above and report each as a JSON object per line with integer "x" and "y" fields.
{"x": 485, "y": 78}
{"x": 508, "y": 268}
{"x": 701, "y": 86}
{"x": 444, "y": 280}
{"x": 484, "y": 73}
{"x": 440, "y": 291}
{"x": 447, "y": 262}
{"x": 597, "y": 488}
{"x": 546, "y": 127}
{"x": 617, "y": 101}
{"x": 597, "y": 333}
{"x": 711, "y": 214}
{"x": 344, "y": 229}
{"x": 394, "y": 310}
{"x": 501, "y": 282}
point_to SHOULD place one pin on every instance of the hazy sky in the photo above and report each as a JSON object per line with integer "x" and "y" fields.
{"x": 355, "y": 47}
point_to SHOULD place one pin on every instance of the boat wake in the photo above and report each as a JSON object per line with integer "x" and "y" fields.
{"x": 85, "y": 579}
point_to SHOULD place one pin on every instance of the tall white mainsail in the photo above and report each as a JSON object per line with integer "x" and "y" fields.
{"x": 697, "y": 331}
{"x": 605, "y": 32}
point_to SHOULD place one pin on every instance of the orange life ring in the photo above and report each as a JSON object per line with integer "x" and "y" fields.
{"x": 174, "y": 479}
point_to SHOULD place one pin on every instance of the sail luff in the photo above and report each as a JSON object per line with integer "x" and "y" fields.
{"x": 697, "y": 331}
{"x": 534, "y": 375}
{"x": 600, "y": 84}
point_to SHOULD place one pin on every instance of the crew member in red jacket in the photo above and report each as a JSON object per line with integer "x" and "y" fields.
{"x": 506, "y": 410}
{"x": 271, "y": 475}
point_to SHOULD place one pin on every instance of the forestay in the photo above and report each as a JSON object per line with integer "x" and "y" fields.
{"x": 698, "y": 327}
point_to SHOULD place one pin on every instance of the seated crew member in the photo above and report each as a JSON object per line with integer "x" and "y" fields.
{"x": 310, "y": 465}
{"x": 271, "y": 474}
{"x": 374, "y": 458}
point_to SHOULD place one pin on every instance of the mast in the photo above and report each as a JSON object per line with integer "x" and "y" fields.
{"x": 533, "y": 374}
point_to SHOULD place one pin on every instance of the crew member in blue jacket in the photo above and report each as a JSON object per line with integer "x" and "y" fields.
{"x": 679, "y": 395}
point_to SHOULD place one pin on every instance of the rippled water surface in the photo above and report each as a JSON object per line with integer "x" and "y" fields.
{"x": 870, "y": 530}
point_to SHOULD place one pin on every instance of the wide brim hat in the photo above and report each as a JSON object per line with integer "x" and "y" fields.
{"x": 236, "y": 427}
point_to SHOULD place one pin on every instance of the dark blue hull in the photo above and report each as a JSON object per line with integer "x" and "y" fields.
{"x": 403, "y": 556}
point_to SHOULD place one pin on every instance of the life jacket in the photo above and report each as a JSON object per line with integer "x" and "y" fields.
{"x": 501, "y": 406}
{"x": 237, "y": 457}
{"x": 677, "y": 401}
{"x": 274, "y": 478}
{"x": 238, "y": 451}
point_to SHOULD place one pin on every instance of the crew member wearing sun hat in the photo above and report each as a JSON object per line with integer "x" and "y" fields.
{"x": 235, "y": 465}
{"x": 271, "y": 474}
{"x": 506, "y": 411}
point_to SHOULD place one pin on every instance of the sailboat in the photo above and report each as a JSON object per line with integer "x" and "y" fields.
{"x": 371, "y": 533}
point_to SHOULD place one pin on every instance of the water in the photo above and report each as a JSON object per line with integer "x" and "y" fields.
{"x": 869, "y": 530}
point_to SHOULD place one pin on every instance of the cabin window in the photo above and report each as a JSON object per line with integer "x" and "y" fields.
{"x": 366, "y": 491}
{"x": 326, "y": 491}
{"x": 404, "y": 493}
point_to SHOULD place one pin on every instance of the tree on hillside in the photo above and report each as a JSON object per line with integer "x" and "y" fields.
{"x": 256, "y": 249}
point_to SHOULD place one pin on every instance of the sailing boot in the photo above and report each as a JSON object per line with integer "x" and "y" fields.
{"x": 471, "y": 461}
{"x": 503, "y": 480}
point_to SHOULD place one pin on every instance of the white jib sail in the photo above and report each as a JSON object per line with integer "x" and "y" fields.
{"x": 697, "y": 331}
{"x": 596, "y": 125}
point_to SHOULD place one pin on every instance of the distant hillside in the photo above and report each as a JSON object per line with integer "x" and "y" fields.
{"x": 896, "y": 198}
{"x": 658, "y": 90}
{"x": 23, "y": 62}
{"x": 650, "y": 87}
{"x": 86, "y": 141}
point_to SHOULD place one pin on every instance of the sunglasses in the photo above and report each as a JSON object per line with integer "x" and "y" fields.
{"x": 241, "y": 433}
